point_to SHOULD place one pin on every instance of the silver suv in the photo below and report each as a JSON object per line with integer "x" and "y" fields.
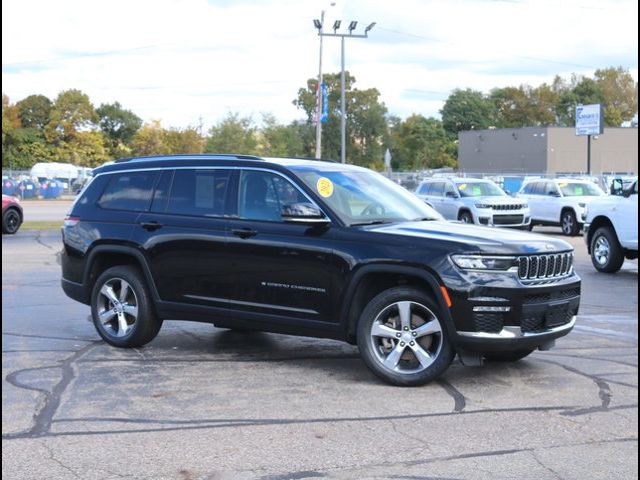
{"x": 473, "y": 200}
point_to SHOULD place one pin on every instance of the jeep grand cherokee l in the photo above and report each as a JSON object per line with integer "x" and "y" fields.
{"x": 312, "y": 248}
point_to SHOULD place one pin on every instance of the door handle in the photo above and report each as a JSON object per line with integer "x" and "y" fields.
{"x": 151, "y": 226}
{"x": 244, "y": 232}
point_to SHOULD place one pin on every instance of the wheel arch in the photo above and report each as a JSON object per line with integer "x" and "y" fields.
{"x": 598, "y": 222}
{"x": 103, "y": 257}
{"x": 16, "y": 209}
{"x": 371, "y": 280}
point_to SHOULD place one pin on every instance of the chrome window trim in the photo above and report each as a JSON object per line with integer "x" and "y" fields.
{"x": 223, "y": 167}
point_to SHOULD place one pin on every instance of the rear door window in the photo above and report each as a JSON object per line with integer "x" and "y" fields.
{"x": 437, "y": 189}
{"x": 424, "y": 189}
{"x": 128, "y": 191}
{"x": 199, "y": 192}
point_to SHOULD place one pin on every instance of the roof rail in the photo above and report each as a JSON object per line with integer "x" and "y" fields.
{"x": 195, "y": 156}
{"x": 312, "y": 158}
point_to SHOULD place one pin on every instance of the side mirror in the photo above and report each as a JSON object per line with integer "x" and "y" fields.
{"x": 451, "y": 194}
{"x": 303, "y": 213}
{"x": 617, "y": 187}
{"x": 554, "y": 194}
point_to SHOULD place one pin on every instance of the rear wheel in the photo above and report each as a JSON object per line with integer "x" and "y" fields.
{"x": 11, "y": 221}
{"x": 606, "y": 252}
{"x": 122, "y": 310}
{"x": 507, "y": 356}
{"x": 569, "y": 223}
{"x": 401, "y": 337}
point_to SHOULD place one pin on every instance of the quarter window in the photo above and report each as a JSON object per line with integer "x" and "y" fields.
{"x": 128, "y": 191}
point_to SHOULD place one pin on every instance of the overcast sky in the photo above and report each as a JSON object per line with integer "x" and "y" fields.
{"x": 181, "y": 61}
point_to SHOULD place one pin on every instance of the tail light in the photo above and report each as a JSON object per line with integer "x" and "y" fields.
{"x": 71, "y": 221}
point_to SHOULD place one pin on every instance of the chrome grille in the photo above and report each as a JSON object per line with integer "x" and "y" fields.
{"x": 514, "y": 206}
{"x": 545, "y": 267}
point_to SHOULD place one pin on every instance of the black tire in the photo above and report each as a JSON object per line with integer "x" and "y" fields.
{"x": 529, "y": 227}
{"x": 465, "y": 217}
{"x": 11, "y": 221}
{"x": 139, "y": 329}
{"x": 607, "y": 255}
{"x": 569, "y": 224}
{"x": 408, "y": 370}
{"x": 507, "y": 356}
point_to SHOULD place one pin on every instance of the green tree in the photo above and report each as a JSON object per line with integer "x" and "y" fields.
{"x": 366, "y": 120}
{"x": 580, "y": 91}
{"x": 278, "y": 140}
{"x": 118, "y": 125}
{"x": 187, "y": 140}
{"x": 466, "y": 110}
{"x": 619, "y": 95}
{"x": 72, "y": 111}
{"x": 233, "y": 135}
{"x": 524, "y": 106}
{"x": 420, "y": 143}
{"x": 34, "y": 111}
{"x": 87, "y": 149}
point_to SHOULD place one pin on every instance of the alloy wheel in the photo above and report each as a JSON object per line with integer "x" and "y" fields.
{"x": 601, "y": 250}
{"x": 117, "y": 307}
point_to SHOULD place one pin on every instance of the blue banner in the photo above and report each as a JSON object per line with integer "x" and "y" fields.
{"x": 325, "y": 103}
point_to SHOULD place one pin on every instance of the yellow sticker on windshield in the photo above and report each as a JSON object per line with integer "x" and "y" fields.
{"x": 562, "y": 185}
{"x": 462, "y": 186}
{"x": 324, "y": 187}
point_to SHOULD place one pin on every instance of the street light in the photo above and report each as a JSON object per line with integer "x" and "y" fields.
{"x": 343, "y": 108}
{"x": 319, "y": 24}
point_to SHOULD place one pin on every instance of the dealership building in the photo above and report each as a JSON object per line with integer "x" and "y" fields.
{"x": 547, "y": 150}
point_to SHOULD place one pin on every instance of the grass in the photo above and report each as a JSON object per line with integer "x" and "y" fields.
{"x": 41, "y": 225}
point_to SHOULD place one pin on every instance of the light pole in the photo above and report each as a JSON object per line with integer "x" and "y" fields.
{"x": 319, "y": 25}
{"x": 343, "y": 106}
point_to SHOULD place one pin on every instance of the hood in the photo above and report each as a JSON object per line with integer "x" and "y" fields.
{"x": 474, "y": 238}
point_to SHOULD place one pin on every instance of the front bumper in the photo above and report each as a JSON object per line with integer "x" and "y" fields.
{"x": 502, "y": 314}
{"x": 515, "y": 218}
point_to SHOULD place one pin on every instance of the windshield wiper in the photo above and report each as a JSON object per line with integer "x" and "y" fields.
{"x": 424, "y": 219}
{"x": 372, "y": 222}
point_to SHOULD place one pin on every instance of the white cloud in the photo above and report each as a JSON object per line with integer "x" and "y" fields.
{"x": 182, "y": 61}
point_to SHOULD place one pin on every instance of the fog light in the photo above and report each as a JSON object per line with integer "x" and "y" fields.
{"x": 491, "y": 309}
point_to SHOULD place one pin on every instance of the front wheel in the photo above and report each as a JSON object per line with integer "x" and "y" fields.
{"x": 402, "y": 338}
{"x": 122, "y": 308}
{"x": 569, "y": 223}
{"x": 606, "y": 252}
{"x": 465, "y": 217}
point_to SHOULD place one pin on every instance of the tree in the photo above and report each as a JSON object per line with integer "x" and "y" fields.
{"x": 72, "y": 111}
{"x": 366, "y": 120}
{"x": 233, "y": 135}
{"x": 420, "y": 143}
{"x": 619, "y": 95}
{"x": 187, "y": 140}
{"x": 278, "y": 140}
{"x": 150, "y": 140}
{"x": 34, "y": 111}
{"x": 119, "y": 125}
{"x": 466, "y": 110}
{"x": 580, "y": 91}
{"x": 524, "y": 106}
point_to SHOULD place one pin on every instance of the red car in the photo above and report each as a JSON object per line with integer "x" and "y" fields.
{"x": 11, "y": 214}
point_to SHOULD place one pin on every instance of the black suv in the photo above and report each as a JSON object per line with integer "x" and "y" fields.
{"x": 312, "y": 248}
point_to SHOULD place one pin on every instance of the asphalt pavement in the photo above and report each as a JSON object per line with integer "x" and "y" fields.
{"x": 206, "y": 403}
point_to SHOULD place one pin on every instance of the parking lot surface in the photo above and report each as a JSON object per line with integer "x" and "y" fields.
{"x": 206, "y": 403}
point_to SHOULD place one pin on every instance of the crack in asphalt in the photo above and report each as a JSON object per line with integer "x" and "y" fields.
{"x": 460, "y": 401}
{"x": 176, "y": 425}
{"x": 54, "y": 459}
{"x": 43, "y": 417}
{"x": 48, "y": 337}
{"x": 38, "y": 239}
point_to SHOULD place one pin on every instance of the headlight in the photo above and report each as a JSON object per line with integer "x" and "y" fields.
{"x": 482, "y": 205}
{"x": 483, "y": 262}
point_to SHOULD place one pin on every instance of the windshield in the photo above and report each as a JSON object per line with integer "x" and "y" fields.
{"x": 364, "y": 197}
{"x": 479, "y": 189}
{"x": 579, "y": 189}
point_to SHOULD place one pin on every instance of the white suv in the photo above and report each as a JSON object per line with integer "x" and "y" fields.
{"x": 560, "y": 201}
{"x": 474, "y": 200}
{"x": 611, "y": 229}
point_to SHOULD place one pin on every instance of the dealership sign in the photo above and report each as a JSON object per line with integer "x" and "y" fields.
{"x": 589, "y": 120}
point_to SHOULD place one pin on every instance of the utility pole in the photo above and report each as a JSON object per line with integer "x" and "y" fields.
{"x": 319, "y": 92}
{"x": 343, "y": 103}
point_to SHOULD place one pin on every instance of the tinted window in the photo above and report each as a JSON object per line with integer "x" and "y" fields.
{"x": 550, "y": 188}
{"x": 436, "y": 189}
{"x": 424, "y": 189}
{"x": 161, "y": 193}
{"x": 128, "y": 191}
{"x": 199, "y": 192}
{"x": 528, "y": 188}
{"x": 262, "y": 196}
